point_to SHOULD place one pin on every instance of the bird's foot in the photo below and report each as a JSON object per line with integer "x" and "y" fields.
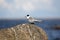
{"x": 31, "y": 23}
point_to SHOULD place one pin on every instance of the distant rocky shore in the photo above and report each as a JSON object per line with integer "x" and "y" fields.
{"x": 23, "y": 32}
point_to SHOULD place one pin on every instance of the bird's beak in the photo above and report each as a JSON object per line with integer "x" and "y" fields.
{"x": 25, "y": 16}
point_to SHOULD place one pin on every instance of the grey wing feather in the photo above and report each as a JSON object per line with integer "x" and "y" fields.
{"x": 31, "y": 18}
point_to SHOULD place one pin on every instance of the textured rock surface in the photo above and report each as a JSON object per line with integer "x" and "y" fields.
{"x": 23, "y": 32}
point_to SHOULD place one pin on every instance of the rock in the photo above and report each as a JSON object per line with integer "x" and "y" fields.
{"x": 23, "y": 32}
{"x": 55, "y": 27}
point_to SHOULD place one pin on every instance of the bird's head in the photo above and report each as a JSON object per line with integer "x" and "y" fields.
{"x": 27, "y": 15}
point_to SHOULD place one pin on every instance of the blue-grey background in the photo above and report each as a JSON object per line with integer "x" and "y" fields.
{"x": 47, "y": 25}
{"x": 13, "y": 12}
{"x": 11, "y": 9}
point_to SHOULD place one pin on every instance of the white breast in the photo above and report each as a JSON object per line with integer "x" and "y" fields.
{"x": 28, "y": 17}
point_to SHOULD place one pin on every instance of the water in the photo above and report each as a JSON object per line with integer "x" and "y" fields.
{"x": 46, "y": 25}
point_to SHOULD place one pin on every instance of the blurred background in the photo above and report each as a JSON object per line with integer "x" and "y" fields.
{"x": 13, "y": 12}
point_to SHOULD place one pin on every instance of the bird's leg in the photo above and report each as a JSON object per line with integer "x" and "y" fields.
{"x": 32, "y": 23}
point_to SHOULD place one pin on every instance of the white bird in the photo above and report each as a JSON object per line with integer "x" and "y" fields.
{"x": 32, "y": 20}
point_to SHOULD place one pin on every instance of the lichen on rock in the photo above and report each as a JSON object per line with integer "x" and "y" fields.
{"x": 23, "y": 32}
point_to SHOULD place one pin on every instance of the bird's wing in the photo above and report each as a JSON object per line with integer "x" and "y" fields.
{"x": 31, "y": 18}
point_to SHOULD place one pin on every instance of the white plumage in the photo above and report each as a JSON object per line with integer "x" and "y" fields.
{"x": 32, "y": 20}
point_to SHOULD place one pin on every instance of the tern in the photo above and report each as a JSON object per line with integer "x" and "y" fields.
{"x": 32, "y": 20}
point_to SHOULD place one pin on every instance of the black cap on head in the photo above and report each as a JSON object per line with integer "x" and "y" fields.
{"x": 27, "y": 15}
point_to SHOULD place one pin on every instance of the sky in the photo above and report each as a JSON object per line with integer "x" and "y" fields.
{"x": 35, "y": 8}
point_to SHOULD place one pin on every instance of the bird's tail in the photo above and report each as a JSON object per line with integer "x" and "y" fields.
{"x": 39, "y": 21}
